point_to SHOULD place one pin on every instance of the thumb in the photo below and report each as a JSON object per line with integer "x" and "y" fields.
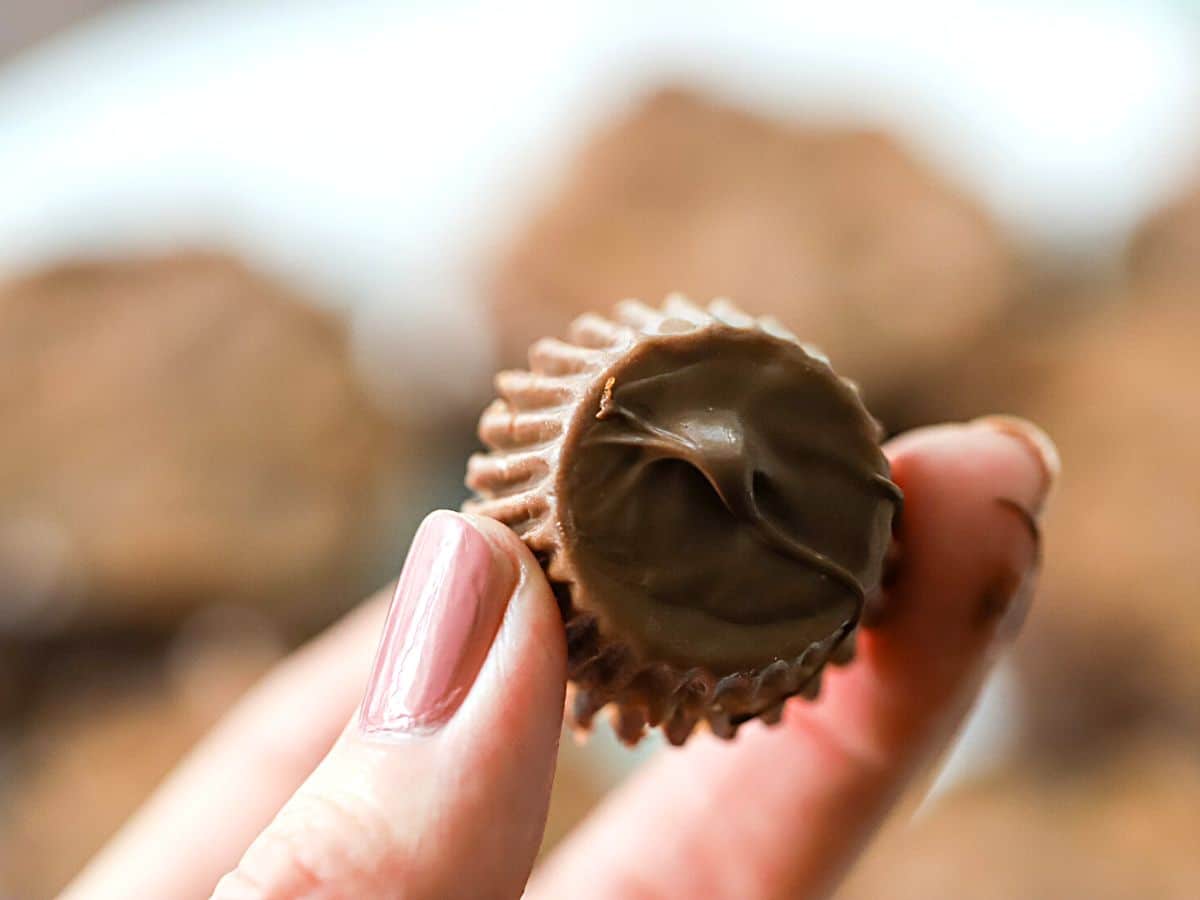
{"x": 439, "y": 787}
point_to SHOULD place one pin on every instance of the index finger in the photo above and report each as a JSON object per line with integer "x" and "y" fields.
{"x": 782, "y": 811}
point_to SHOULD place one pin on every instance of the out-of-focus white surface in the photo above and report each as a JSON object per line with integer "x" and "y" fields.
{"x": 375, "y": 150}
{"x": 988, "y": 739}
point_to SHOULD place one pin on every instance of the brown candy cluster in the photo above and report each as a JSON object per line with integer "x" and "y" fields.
{"x": 842, "y": 234}
{"x": 710, "y": 501}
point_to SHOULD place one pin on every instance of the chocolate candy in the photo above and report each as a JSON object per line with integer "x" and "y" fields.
{"x": 179, "y": 430}
{"x": 841, "y": 233}
{"x": 709, "y": 500}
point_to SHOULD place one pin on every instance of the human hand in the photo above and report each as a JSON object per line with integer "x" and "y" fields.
{"x": 439, "y": 784}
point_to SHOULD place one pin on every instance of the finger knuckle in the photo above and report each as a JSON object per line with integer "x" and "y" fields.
{"x": 318, "y": 847}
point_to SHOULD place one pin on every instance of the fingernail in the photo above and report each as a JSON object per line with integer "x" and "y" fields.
{"x": 1037, "y": 444}
{"x": 443, "y": 618}
{"x": 1005, "y": 604}
{"x": 1005, "y": 601}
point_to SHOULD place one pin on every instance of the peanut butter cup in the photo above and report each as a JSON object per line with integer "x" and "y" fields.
{"x": 709, "y": 500}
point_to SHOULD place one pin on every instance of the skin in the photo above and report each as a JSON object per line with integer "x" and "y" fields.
{"x": 287, "y": 800}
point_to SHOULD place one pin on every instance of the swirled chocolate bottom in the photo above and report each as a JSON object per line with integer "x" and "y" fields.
{"x": 726, "y": 502}
{"x": 710, "y": 502}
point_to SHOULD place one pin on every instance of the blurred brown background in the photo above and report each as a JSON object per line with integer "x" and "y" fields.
{"x": 246, "y": 324}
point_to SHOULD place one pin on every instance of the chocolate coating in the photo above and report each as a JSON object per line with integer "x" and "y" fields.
{"x": 709, "y": 501}
{"x": 724, "y": 499}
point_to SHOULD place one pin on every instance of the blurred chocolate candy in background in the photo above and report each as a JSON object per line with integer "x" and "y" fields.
{"x": 258, "y": 262}
{"x": 180, "y": 429}
{"x": 1165, "y": 255}
{"x": 839, "y": 233}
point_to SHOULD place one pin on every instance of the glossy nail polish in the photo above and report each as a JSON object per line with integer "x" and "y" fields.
{"x": 447, "y": 607}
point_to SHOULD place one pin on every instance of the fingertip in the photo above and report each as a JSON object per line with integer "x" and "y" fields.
{"x": 535, "y": 601}
{"x": 507, "y": 544}
{"x": 1012, "y": 456}
{"x": 1035, "y": 442}
{"x": 959, "y": 590}
{"x": 502, "y": 538}
{"x": 973, "y": 493}
{"x": 516, "y": 702}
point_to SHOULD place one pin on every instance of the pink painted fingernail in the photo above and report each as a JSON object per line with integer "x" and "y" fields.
{"x": 443, "y": 618}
